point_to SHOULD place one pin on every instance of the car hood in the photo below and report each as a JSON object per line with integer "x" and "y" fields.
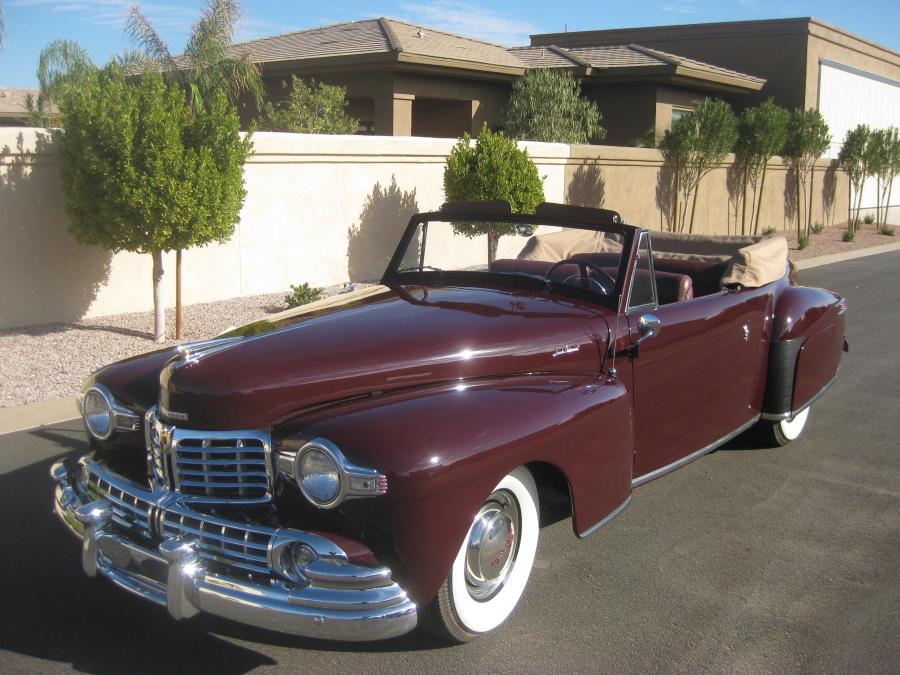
{"x": 371, "y": 342}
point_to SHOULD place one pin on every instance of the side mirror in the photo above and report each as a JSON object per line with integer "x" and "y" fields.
{"x": 524, "y": 230}
{"x": 648, "y": 326}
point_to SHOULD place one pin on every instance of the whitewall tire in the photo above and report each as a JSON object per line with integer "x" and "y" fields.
{"x": 491, "y": 569}
{"x": 783, "y": 432}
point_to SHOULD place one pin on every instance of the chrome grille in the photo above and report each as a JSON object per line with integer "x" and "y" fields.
{"x": 230, "y": 546}
{"x": 214, "y": 467}
{"x": 129, "y": 510}
{"x": 244, "y": 547}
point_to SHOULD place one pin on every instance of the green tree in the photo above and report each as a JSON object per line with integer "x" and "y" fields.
{"x": 210, "y": 65}
{"x": 309, "y": 108}
{"x": 853, "y": 158}
{"x": 546, "y": 105}
{"x": 697, "y": 144}
{"x": 493, "y": 168}
{"x": 808, "y": 139}
{"x": 882, "y": 160}
{"x": 142, "y": 172}
{"x": 762, "y": 132}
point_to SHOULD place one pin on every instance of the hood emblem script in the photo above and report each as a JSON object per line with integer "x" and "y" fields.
{"x": 566, "y": 349}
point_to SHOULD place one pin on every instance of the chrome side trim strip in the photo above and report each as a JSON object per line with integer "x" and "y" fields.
{"x": 663, "y": 470}
{"x": 593, "y": 528}
{"x": 777, "y": 417}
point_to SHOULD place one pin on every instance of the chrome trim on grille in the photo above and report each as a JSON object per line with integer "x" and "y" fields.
{"x": 153, "y": 545}
{"x": 210, "y": 467}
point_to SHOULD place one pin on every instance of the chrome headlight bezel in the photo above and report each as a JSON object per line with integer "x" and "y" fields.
{"x": 102, "y": 395}
{"x": 121, "y": 418}
{"x": 353, "y": 481}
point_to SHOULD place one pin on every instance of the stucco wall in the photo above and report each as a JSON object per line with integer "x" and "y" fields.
{"x": 319, "y": 209}
{"x": 635, "y": 182}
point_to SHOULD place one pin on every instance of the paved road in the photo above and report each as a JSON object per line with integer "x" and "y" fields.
{"x": 746, "y": 560}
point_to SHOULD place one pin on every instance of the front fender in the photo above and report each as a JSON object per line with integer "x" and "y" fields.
{"x": 444, "y": 449}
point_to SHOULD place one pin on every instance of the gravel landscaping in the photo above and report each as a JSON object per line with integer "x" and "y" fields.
{"x": 830, "y": 241}
{"x": 51, "y": 361}
{"x": 39, "y": 363}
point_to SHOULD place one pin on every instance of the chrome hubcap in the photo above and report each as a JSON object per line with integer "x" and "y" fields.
{"x": 492, "y": 545}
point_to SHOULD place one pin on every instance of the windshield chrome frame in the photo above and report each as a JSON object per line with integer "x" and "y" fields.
{"x": 393, "y": 276}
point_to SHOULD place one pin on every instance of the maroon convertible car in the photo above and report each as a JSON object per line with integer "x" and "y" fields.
{"x": 377, "y": 460}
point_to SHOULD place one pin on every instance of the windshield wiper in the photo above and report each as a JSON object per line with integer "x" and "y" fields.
{"x": 420, "y": 268}
{"x": 528, "y": 275}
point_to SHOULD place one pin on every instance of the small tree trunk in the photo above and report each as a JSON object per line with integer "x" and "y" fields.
{"x": 675, "y": 208}
{"x": 877, "y": 202}
{"x": 159, "y": 311}
{"x": 762, "y": 192}
{"x": 812, "y": 180}
{"x": 887, "y": 203}
{"x": 799, "y": 202}
{"x": 493, "y": 240}
{"x": 694, "y": 207}
{"x": 178, "y": 294}
{"x": 850, "y": 210}
{"x": 744, "y": 204}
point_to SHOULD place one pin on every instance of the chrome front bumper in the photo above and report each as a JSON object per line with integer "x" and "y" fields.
{"x": 127, "y": 536}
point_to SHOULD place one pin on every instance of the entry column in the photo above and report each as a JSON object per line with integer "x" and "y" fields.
{"x": 393, "y": 115}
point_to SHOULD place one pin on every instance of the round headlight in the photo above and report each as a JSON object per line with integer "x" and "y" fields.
{"x": 318, "y": 476}
{"x": 98, "y": 414}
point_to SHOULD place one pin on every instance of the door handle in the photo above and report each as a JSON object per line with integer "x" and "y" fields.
{"x": 648, "y": 326}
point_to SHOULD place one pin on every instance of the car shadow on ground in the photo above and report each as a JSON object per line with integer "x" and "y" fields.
{"x": 51, "y": 610}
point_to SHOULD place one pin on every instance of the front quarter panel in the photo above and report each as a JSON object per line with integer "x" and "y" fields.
{"x": 444, "y": 449}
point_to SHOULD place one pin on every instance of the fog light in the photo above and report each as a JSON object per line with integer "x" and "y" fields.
{"x": 293, "y": 559}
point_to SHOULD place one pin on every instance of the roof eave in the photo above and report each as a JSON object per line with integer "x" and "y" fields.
{"x": 459, "y": 64}
{"x": 734, "y": 81}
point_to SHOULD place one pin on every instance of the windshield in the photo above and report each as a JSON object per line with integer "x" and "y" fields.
{"x": 533, "y": 255}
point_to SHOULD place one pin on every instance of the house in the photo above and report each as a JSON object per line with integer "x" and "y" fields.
{"x": 403, "y": 79}
{"x": 806, "y": 63}
{"x": 13, "y": 112}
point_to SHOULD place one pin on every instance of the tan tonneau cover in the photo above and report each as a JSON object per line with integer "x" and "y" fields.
{"x": 752, "y": 261}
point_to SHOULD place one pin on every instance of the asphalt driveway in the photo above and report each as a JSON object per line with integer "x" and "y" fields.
{"x": 745, "y": 560}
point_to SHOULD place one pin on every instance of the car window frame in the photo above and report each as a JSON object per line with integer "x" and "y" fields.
{"x": 654, "y": 303}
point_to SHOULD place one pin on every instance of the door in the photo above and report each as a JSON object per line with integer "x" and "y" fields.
{"x": 697, "y": 378}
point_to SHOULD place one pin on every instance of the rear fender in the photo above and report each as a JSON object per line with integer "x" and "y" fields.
{"x": 445, "y": 448}
{"x": 805, "y": 352}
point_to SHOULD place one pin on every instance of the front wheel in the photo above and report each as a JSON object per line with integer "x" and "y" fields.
{"x": 492, "y": 567}
{"x": 784, "y": 431}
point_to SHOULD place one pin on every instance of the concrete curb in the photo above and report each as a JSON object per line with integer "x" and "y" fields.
{"x": 38, "y": 414}
{"x": 42, "y": 413}
{"x": 849, "y": 255}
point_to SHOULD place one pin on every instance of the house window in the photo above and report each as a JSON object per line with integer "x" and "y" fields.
{"x": 678, "y": 113}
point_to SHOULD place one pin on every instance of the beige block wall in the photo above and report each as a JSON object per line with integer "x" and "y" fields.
{"x": 319, "y": 209}
{"x": 635, "y": 182}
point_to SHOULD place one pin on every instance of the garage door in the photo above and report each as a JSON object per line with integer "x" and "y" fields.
{"x": 849, "y": 96}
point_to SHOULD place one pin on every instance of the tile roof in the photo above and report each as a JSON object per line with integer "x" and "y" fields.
{"x": 12, "y": 101}
{"x": 376, "y": 36}
{"x": 608, "y": 57}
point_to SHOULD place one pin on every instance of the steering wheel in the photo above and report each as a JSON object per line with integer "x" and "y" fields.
{"x": 606, "y": 284}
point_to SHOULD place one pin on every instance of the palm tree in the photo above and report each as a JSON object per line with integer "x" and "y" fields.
{"x": 209, "y": 64}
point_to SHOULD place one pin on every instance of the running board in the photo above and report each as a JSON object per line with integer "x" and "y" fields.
{"x": 662, "y": 471}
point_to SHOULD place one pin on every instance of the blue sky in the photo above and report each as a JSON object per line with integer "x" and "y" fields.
{"x": 97, "y": 24}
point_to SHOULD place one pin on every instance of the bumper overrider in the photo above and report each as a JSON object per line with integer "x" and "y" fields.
{"x": 189, "y": 561}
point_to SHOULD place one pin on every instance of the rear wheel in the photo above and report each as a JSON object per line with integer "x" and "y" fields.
{"x": 782, "y": 432}
{"x": 493, "y": 564}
